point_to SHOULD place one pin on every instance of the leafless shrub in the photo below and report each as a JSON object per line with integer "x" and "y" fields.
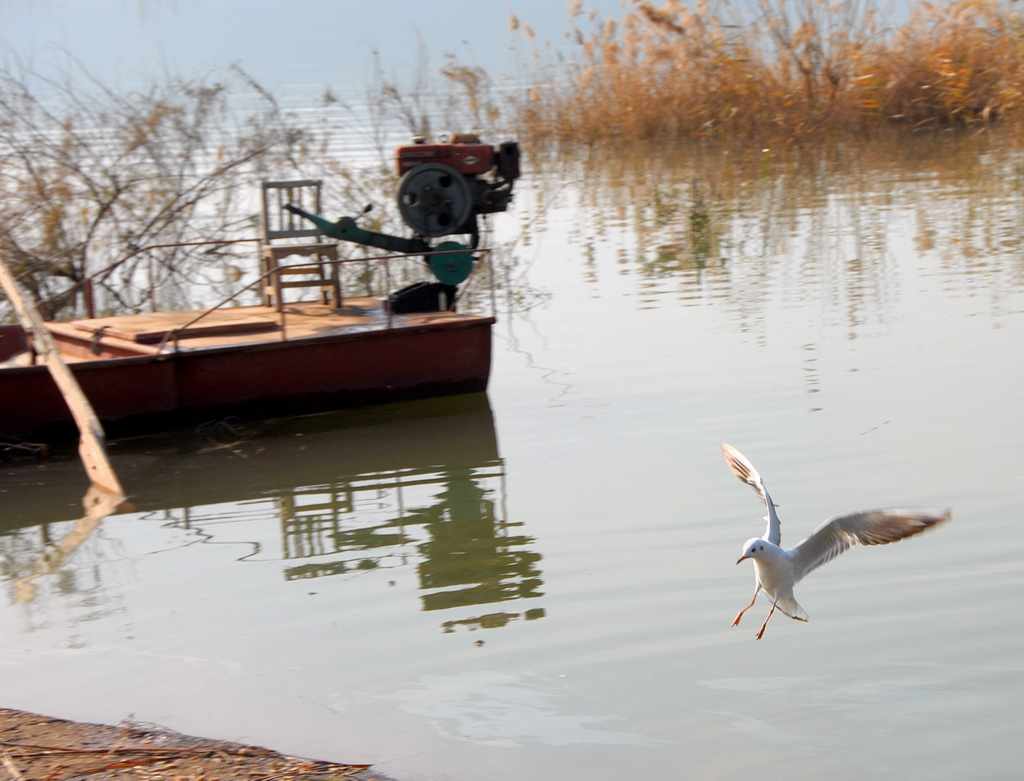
{"x": 89, "y": 178}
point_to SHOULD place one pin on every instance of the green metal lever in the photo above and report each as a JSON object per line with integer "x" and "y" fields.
{"x": 346, "y": 229}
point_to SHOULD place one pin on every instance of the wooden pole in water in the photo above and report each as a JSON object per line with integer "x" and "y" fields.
{"x": 91, "y": 445}
{"x": 98, "y": 504}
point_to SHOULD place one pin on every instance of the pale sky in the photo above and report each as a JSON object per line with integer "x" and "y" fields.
{"x": 312, "y": 41}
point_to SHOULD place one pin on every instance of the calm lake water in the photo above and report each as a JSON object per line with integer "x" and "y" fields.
{"x": 539, "y": 582}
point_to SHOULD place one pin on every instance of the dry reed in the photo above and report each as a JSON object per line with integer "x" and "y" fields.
{"x": 801, "y": 68}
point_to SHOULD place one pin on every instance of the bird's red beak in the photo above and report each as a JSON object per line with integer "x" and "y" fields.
{"x": 742, "y": 558}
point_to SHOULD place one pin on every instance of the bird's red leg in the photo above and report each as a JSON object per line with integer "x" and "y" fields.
{"x": 760, "y": 632}
{"x": 753, "y": 599}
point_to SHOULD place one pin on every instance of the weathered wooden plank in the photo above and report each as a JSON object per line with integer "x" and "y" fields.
{"x": 152, "y": 329}
{"x": 80, "y": 343}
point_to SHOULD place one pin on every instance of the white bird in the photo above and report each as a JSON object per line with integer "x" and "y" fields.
{"x": 777, "y": 570}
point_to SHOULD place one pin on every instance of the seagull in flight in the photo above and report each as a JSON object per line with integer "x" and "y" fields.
{"x": 777, "y": 569}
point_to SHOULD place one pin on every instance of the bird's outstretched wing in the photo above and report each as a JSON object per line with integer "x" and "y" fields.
{"x": 744, "y": 470}
{"x": 872, "y": 527}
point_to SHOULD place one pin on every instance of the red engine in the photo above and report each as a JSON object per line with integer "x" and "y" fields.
{"x": 465, "y": 158}
{"x": 445, "y": 186}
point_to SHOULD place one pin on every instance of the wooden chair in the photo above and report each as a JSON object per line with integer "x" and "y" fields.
{"x": 281, "y": 232}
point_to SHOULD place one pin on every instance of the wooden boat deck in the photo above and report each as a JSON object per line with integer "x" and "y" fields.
{"x": 142, "y": 334}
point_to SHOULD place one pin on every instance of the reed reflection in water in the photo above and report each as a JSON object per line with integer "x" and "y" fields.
{"x": 709, "y": 225}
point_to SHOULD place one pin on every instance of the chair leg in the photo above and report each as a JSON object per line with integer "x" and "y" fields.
{"x": 264, "y": 265}
{"x": 278, "y": 297}
{"x": 325, "y": 296}
{"x": 271, "y": 283}
{"x": 336, "y": 284}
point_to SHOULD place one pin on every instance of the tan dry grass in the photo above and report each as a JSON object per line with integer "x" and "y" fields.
{"x": 805, "y": 68}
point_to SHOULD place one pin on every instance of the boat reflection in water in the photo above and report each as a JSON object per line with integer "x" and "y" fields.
{"x": 408, "y": 485}
{"x": 433, "y": 494}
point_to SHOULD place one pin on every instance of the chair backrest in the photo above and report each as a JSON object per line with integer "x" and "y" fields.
{"x": 279, "y": 223}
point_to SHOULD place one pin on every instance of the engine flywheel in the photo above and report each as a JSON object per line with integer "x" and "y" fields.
{"x": 434, "y": 199}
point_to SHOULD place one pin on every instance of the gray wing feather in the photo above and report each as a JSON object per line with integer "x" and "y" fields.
{"x": 872, "y": 527}
{"x": 744, "y": 470}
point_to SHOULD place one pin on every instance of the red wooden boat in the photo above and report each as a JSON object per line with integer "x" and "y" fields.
{"x": 165, "y": 369}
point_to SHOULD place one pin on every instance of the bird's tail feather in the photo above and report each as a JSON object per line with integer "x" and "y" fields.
{"x": 792, "y": 608}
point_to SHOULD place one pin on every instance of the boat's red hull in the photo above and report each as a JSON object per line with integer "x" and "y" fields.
{"x": 297, "y": 375}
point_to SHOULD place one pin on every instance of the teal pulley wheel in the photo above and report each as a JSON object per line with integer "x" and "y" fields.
{"x": 454, "y": 268}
